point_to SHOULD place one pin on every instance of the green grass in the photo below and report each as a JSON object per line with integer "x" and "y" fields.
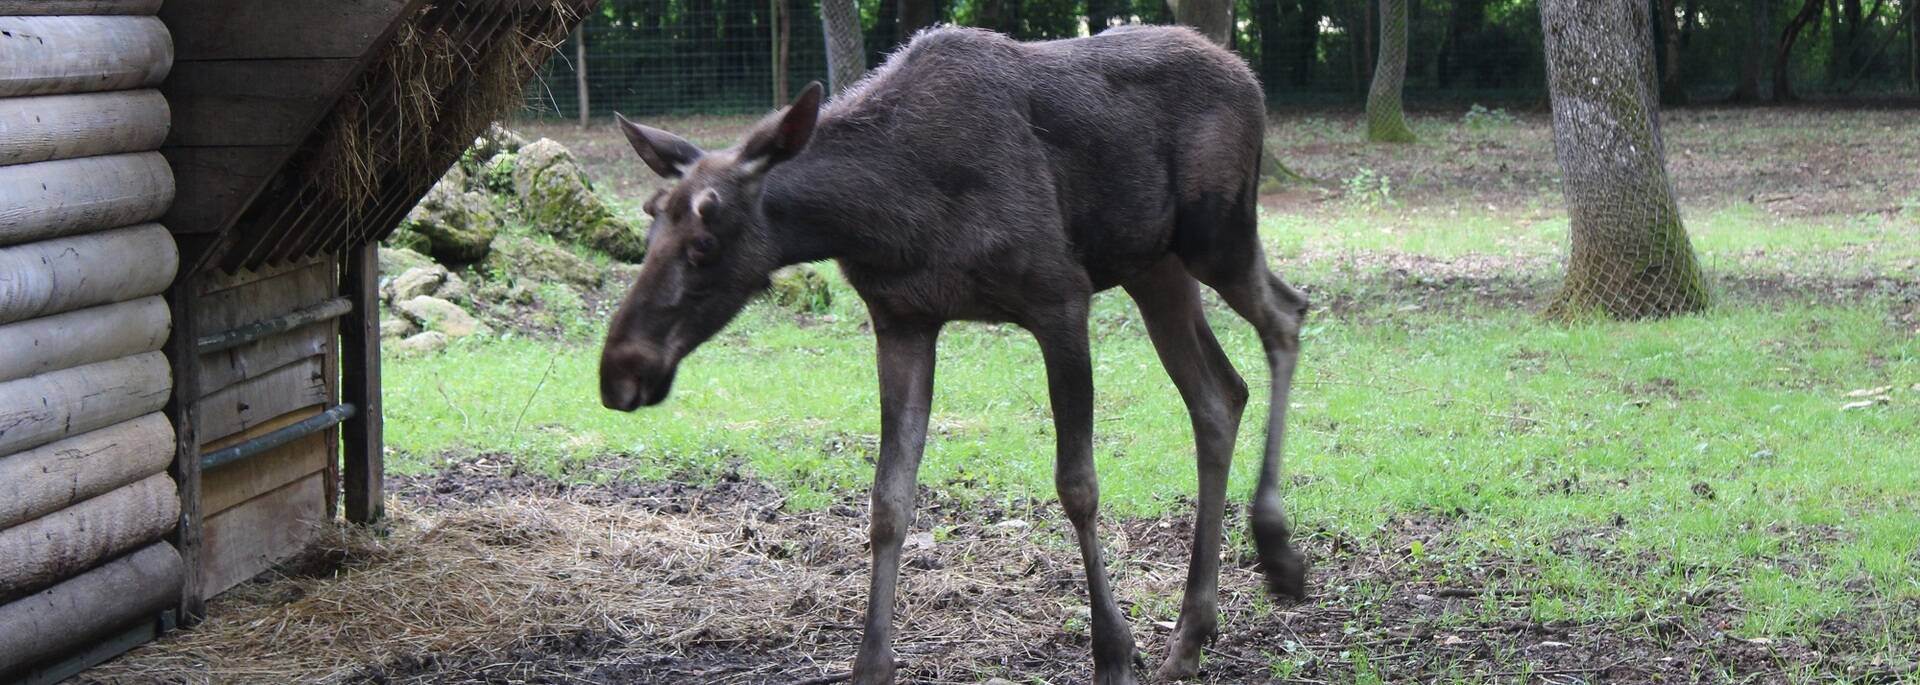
{"x": 1628, "y": 467}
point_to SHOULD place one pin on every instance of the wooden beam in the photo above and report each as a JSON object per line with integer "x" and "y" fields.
{"x": 42, "y": 552}
{"x": 258, "y": 400}
{"x": 46, "y": 127}
{"x": 43, "y": 55}
{"x": 86, "y": 336}
{"x": 183, "y": 410}
{"x": 71, "y": 196}
{"x": 72, "y": 7}
{"x": 277, "y": 29}
{"x": 215, "y": 184}
{"x": 252, "y": 102}
{"x": 364, "y": 443}
{"x": 88, "y": 606}
{"x": 54, "y": 276}
{"x": 63, "y": 404}
{"x": 41, "y": 480}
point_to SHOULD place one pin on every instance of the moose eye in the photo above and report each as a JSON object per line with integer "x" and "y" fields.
{"x": 702, "y": 249}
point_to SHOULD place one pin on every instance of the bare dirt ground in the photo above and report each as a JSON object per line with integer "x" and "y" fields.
{"x": 487, "y": 576}
{"x": 1797, "y": 161}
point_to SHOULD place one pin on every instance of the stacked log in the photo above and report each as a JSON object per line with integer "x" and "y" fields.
{"x": 85, "y": 495}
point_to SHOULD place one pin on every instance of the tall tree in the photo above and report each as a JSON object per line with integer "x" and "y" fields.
{"x": 1631, "y": 257}
{"x": 1304, "y": 50}
{"x": 846, "y": 51}
{"x": 1212, "y": 18}
{"x": 1100, "y": 14}
{"x": 1783, "y": 53}
{"x": 1467, "y": 18}
{"x": 916, "y": 15}
{"x": 1753, "y": 54}
{"x": 1667, "y": 32}
{"x": 1266, "y": 21}
{"x": 1386, "y": 118}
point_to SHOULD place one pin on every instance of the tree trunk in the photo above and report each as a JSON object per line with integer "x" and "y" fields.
{"x": 1212, "y": 18}
{"x": 1386, "y": 120}
{"x": 916, "y": 15}
{"x": 886, "y": 29}
{"x": 1100, "y": 15}
{"x": 1753, "y": 58}
{"x": 1266, "y": 20}
{"x": 1631, "y": 257}
{"x": 1783, "y": 55}
{"x": 1673, "y": 90}
{"x": 1302, "y": 48}
{"x": 846, "y": 54}
{"x": 1468, "y": 17}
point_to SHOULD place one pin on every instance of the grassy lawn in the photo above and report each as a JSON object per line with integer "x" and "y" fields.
{"x": 1766, "y": 453}
{"x": 1629, "y": 465}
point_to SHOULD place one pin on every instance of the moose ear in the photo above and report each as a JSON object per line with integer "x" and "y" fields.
{"x": 784, "y": 133}
{"x": 669, "y": 155}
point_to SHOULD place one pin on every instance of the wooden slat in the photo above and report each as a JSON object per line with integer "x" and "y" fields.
{"x": 279, "y": 292}
{"x": 252, "y": 103}
{"x": 48, "y": 127}
{"x": 362, "y": 437}
{"x": 86, "y": 607}
{"x": 86, "y": 336}
{"x": 250, "y": 538}
{"x": 73, "y": 7}
{"x": 43, "y": 55}
{"x": 64, "y": 197}
{"x": 220, "y": 370}
{"x": 278, "y": 29}
{"x": 63, "y": 404}
{"x": 251, "y": 403}
{"x": 229, "y": 485}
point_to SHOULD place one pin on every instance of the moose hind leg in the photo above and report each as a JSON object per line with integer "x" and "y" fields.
{"x": 1063, "y": 345}
{"x": 1215, "y": 396}
{"x": 1276, "y": 311}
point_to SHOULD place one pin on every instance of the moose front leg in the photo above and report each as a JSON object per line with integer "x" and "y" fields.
{"x": 1063, "y": 344}
{"x": 906, "y": 393}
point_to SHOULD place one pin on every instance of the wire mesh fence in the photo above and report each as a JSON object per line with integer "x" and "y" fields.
{"x": 645, "y": 57}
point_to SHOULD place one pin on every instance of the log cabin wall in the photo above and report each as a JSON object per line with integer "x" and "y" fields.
{"x": 87, "y": 502}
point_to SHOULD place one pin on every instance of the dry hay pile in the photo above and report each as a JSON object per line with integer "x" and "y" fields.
{"x": 495, "y": 592}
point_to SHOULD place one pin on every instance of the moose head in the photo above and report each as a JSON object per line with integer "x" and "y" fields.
{"x": 710, "y": 249}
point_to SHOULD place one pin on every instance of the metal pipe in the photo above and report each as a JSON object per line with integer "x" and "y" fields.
{"x": 227, "y": 339}
{"x": 308, "y": 426}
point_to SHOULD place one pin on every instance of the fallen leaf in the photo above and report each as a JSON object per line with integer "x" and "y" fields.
{"x": 1870, "y": 392}
{"x": 1165, "y": 625}
{"x": 1862, "y": 404}
{"x": 1451, "y": 640}
{"x": 1554, "y": 645}
{"x": 920, "y": 541}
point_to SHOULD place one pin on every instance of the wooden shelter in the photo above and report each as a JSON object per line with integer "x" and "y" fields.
{"x": 191, "y": 195}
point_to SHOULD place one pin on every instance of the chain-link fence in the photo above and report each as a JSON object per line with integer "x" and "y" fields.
{"x": 739, "y": 56}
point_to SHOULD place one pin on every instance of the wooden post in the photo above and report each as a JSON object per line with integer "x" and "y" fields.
{"x": 580, "y": 69}
{"x": 780, "y": 26}
{"x": 360, "y": 386}
{"x": 183, "y": 350}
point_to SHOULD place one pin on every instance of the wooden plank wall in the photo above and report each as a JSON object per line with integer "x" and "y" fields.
{"x": 252, "y": 80}
{"x": 86, "y": 498}
{"x": 264, "y": 509}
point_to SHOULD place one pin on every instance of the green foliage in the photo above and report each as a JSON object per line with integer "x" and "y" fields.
{"x": 1369, "y": 188}
{"x": 1479, "y": 118}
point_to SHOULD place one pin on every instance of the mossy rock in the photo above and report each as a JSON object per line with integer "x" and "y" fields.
{"x": 556, "y": 198}
{"x": 458, "y": 225}
{"x": 496, "y": 174}
{"x": 801, "y": 289}
{"x": 532, "y": 262}
{"x": 397, "y": 260}
{"x": 405, "y": 238}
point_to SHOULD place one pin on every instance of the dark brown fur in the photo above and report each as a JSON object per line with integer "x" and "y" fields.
{"x": 972, "y": 177}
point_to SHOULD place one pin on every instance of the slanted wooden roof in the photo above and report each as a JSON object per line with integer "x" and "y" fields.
{"x": 306, "y": 127}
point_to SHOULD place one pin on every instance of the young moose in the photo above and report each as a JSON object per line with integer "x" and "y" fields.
{"x": 972, "y": 177}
